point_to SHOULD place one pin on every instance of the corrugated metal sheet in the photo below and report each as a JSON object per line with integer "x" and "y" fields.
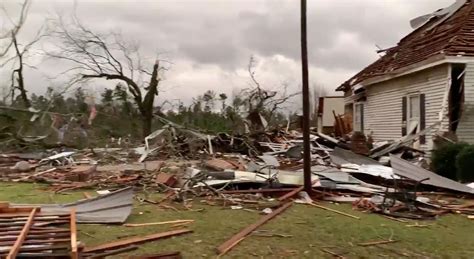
{"x": 465, "y": 130}
{"x": 451, "y": 37}
{"x": 114, "y": 207}
{"x": 341, "y": 156}
{"x": 414, "y": 172}
{"x": 383, "y": 107}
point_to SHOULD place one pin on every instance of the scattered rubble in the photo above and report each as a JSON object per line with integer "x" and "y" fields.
{"x": 261, "y": 172}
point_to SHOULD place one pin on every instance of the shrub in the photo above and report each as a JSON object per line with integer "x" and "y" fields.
{"x": 443, "y": 160}
{"x": 465, "y": 164}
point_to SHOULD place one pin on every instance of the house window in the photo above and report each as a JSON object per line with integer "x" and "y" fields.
{"x": 413, "y": 116}
{"x": 413, "y": 113}
{"x": 359, "y": 117}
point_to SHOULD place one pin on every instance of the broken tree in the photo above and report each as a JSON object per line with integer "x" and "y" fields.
{"x": 109, "y": 57}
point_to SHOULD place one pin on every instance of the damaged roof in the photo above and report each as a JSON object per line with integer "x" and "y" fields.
{"x": 446, "y": 32}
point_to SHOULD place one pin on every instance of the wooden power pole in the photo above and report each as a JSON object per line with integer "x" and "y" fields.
{"x": 306, "y": 104}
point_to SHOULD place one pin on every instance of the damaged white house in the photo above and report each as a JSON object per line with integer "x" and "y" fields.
{"x": 425, "y": 82}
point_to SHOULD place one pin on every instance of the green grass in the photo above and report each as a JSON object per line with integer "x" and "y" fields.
{"x": 311, "y": 230}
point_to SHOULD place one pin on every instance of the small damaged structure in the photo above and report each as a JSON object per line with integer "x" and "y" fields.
{"x": 328, "y": 108}
{"x": 427, "y": 79}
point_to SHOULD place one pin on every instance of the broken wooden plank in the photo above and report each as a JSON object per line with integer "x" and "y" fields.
{"x": 291, "y": 194}
{"x": 27, "y": 213}
{"x": 295, "y": 192}
{"x": 21, "y": 238}
{"x": 38, "y": 249}
{"x": 234, "y": 240}
{"x": 16, "y": 210}
{"x": 112, "y": 252}
{"x": 136, "y": 240}
{"x": 179, "y": 221}
{"x": 74, "y": 252}
{"x": 87, "y": 195}
{"x": 34, "y": 237}
{"x": 333, "y": 210}
{"x": 35, "y": 175}
{"x": 372, "y": 243}
{"x": 33, "y": 232}
{"x": 277, "y": 190}
{"x": 395, "y": 219}
{"x": 167, "y": 255}
{"x": 332, "y": 253}
{"x": 37, "y": 242}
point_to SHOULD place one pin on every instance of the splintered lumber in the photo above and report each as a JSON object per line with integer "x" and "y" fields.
{"x": 112, "y": 252}
{"x": 21, "y": 238}
{"x": 291, "y": 194}
{"x": 74, "y": 252}
{"x": 167, "y": 255}
{"x": 378, "y": 242}
{"x": 35, "y": 175}
{"x": 332, "y": 253}
{"x": 16, "y": 210}
{"x": 234, "y": 240}
{"x": 333, "y": 210}
{"x": 294, "y": 192}
{"x": 38, "y": 242}
{"x": 277, "y": 190}
{"x": 179, "y": 221}
{"x": 87, "y": 195}
{"x": 135, "y": 240}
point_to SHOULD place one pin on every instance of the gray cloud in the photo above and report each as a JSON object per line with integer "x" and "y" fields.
{"x": 210, "y": 41}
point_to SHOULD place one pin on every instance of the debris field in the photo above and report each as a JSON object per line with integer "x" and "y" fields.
{"x": 260, "y": 172}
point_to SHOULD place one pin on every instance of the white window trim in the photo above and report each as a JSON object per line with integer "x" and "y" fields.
{"x": 415, "y": 144}
{"x": 408, "y": 110}
{"x": 358, "y": 126}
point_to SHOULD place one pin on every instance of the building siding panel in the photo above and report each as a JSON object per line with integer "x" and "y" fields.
{"x": 383, "y": 107}
{"x": 465, "y": 130}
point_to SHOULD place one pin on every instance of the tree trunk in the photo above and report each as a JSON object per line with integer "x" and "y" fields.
{"x": 147, "y": 104}
{"x": 19, "y": 71}
{"x": 21, "y": 87}
{"x": 146, "y": 124}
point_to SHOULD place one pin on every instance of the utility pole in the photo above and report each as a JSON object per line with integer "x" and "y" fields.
{"x": 306, "y": 104}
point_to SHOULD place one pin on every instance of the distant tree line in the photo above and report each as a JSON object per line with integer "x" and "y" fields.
{"x": 128, "y": 109}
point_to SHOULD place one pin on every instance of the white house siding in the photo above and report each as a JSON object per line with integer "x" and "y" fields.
{"x": 465, "y": 130}
{"x": 383, "y": 107}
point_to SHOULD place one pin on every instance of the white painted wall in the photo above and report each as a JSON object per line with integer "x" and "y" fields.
{"x": 465, "y": 130}
{"x": 383, "y": 108}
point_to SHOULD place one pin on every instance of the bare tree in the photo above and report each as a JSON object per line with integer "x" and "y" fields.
{"x": 259, "y": 100}
{"x": 20, "y": 52}
{"x": 6, "y": 34}
{"x": 108, "y": 56}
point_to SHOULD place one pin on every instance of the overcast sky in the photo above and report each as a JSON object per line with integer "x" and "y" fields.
{"x": 209, "y": 42}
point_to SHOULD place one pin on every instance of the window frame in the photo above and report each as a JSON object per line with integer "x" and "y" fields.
{"x": 358, "y": 125}
{"x": 409, "y": 118}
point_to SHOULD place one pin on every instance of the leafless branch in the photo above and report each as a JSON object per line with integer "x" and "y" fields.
{"x": 25, "y": 6}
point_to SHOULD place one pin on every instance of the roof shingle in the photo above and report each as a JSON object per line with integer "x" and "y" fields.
{"x": 452, "y": 37}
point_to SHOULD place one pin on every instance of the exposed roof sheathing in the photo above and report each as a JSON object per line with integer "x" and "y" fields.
{"x": 414, "y": 172}
{"x": 453, "y": 36}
